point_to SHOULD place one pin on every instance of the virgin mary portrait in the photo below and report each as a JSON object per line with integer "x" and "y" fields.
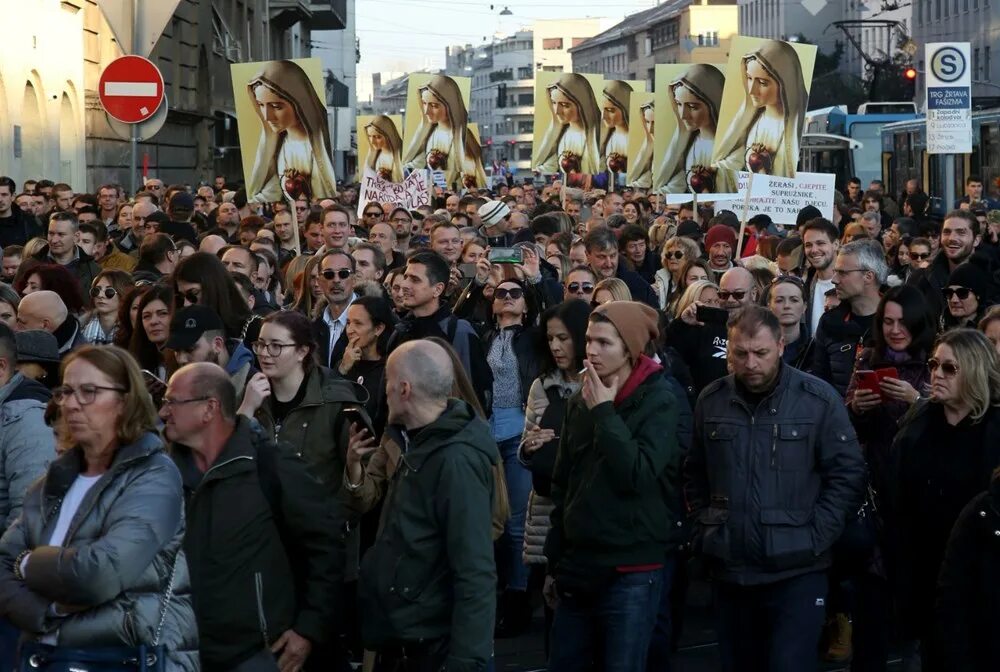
{"x": 439, "y": 140}
{"x": 642, "y": 164}
{"x": 614, "y": 115}
{"x": 384, "y": 149}
{"x": 764, "y": 134}
{"x": 293, "y": 154}
{"x": 695, "y": 97}
{"x": 473, "y": 173}
{"x": 570, "y": 142}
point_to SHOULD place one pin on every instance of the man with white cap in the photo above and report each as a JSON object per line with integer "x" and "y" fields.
{"x": 495, "y": 216}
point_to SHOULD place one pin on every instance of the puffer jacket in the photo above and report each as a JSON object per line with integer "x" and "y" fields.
{"x": 839, "y": 340}
{"x": 27, "y": 445}
{"x": 123, "y": 545}
{"x": 968, "y": 591}
{"x": 769, "y": 488}
{"x": 538, "y": 522}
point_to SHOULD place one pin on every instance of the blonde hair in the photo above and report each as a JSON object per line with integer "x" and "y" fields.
{"x": 616, "y": 287}
{"x": 33, "y": 247}
{"x": 978, "y": 369}
{"x": 686, "y": 245}
{"x": 692, "y": 294}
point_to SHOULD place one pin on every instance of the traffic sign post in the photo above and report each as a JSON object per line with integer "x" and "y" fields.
{"x": 949, "y": 98}
{"x": 131, "y": 89}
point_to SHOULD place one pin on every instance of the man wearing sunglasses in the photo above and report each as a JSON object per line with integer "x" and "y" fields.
{"x": 336, "y": 279}
{"x": 858, "y": 274}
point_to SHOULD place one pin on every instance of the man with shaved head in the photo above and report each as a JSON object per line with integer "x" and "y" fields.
{"x": 45, "y": 310}
{"x": 276, "y": 558}
{"x": 427, "y": 588}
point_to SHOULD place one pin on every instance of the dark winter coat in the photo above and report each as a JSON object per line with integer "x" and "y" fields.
{"x": 839, "y": 340}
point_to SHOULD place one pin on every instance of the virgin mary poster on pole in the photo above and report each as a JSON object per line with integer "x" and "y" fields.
{"x": 436, "y": 128}
{"x": 380, "y": 144}
{"x": 568, "y": 127}
{"x": 284, "y": 130}
{"x": 641, "y": 140}
{"x": 616, "y": 108}
{"x": 763, "y": 108}
{"x": 688, "y": 97}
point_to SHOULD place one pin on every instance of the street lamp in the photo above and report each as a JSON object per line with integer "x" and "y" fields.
{"x": 506, "y": 11}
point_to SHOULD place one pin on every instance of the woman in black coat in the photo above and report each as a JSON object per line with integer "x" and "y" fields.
{"x": 968, "y": 593}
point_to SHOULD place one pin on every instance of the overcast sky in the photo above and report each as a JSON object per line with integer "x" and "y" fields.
{"x": 406, "y": 35}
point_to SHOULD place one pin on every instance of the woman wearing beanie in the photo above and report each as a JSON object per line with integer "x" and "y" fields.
{"x": 967, "y": 296}
{"x": 617, "y": 470}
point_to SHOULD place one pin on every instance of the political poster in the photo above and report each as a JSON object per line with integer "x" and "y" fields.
{"x": 412, "y": 192}
{"x": 284, "y": 130}
{"x": 642, "y": 111}
{"x": 436, "y": 134}
{"x": 687, "y": 115}
{"x": 568, "y": 126}
{"x": 380, "y": 144}
{"x": 781, "y": 198}
{"x": 615, "y": 102}
{"x": 763, "y": 108}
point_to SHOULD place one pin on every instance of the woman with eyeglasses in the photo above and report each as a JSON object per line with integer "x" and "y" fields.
{"x": 202, "y": 279}
{"x": 101, "y": 326}
{"x": 676, "y": 251}
{"x": 968, "y": 293}
{"x": 95, "y": 566}
{"x": 946, "y": 449}
{"x": 786, "y": 298}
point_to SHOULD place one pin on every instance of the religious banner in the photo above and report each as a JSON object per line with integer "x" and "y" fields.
{"x": 380, "y": 144}
{"x": 641, "y": 141}
{"x": 568, "y": 127}
{"x": 616, "y": 107}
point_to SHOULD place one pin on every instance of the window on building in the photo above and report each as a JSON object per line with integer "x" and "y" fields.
{"x": 577, "y": 41}
{"x": 550, "y": 43}
{"x": 633, "y": 49}
{"x": 524, "y": 152}
{"x": 526, "y": 126}
{"x": 525, "y": 99}
{"x": 524, "y": 73}
{"x": 937, "y": 9}
{"x": 976, "y": 74}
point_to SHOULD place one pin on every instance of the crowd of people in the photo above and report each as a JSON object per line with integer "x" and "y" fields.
{"x": 245, "y": 437}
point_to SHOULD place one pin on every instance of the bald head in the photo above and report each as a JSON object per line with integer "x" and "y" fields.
{"x": 212, "y": 244}
{"x": 739, "y": 284}
{"x": 41, "y": 310}
{"x": 205, "y": 379}
{"x": 426, "y": 367}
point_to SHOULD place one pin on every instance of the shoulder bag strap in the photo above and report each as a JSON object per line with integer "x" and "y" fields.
{"x": 168, "y": 595}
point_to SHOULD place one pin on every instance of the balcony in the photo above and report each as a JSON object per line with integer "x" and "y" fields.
{"x": 286, "y": 13}
{"x": 515, "y": 110}
{"x": 329, "y": 15}
{"x": 506, "y": 139}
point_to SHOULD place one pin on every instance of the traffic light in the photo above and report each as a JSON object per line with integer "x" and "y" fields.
{"x": 909, "y": 83}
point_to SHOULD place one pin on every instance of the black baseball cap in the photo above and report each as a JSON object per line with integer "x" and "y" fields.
{"x": 689, "y": 229}
{"x": 189, "y": 324}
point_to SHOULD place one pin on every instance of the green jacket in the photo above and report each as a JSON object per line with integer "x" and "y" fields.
{"x": 431, "y": 573}
{"x": 617, "y": 471}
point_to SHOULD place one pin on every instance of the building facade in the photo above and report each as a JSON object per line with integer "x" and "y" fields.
{"x": 809, "y": 20}
{"x": 676, "y": 31}
{"x": 200, "y": 42}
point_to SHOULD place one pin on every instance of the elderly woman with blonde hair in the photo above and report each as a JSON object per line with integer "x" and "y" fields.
{"x": 676, "y": 251}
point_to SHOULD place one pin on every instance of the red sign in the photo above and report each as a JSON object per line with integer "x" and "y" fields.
{"x": 131, "y": 89}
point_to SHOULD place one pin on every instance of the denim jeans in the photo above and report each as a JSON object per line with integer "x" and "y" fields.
{"x": 661, "y": 641}
{"x": 610, "y": 630}
{"x": 773, "y": 627}
{"x": 511, "y": 544}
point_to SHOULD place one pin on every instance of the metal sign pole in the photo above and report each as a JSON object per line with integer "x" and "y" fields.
{"x": 134, "y": 140}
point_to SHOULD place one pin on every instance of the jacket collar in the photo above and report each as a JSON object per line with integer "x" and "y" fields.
{"x": 67, "y": 467}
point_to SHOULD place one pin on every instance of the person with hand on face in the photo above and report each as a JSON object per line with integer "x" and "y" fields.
{"x": 616, "y": 469}
{"x": 267, "y": 572}
{"x": 944, "y": 453}
{"x": 370, "y": 322}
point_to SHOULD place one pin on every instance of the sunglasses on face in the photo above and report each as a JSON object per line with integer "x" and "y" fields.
{"x": 676, "y": 254}
{"x": 576, "y": 287}
{"x": 342, "y": 273}
{"x": 961, "y": 292}
{"x": 107, "y": 291}
{"x": 373, "y": 213}
{"x": 737, "y": 295}
{"x": 947, "y": 368}
{"x": 191, "y": 296}
{"x": 920, "y": 256}
{"x": 514, "y": 293}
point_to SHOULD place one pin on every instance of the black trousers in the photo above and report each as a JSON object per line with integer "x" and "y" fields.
{"x": 427, "y": 656}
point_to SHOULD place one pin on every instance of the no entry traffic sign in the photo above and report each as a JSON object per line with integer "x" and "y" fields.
{"x": 131, "y": 89}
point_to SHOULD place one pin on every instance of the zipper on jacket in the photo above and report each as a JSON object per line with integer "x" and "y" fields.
{"x": 262, "y": 619}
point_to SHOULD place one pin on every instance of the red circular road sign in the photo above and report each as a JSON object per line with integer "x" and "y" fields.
{"x": 131, "y": 89}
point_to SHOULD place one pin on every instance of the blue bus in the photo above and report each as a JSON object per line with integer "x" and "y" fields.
{"x": 849, "y": 145}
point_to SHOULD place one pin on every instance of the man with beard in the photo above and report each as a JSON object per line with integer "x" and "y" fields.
{"x": 720, "y": 244}
{"x": 960, "y": 236}
{"x": 820, "y": 243}
{"x": 197, "y": 334}
{"x": 774, "y": 472}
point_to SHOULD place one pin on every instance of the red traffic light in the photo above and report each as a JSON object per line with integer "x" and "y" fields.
{"x": 910, "y": 73}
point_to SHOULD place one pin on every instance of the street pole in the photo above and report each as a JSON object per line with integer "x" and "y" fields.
{"x": 134, "y": 140}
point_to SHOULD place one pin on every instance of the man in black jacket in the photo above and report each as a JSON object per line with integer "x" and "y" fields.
{"x": 17, "y": 227}
{"x": 774, "y": 471}
{"x": 604, "y": 260}
{"x": 960, "y": 236}
{"x": 264, "y": 547}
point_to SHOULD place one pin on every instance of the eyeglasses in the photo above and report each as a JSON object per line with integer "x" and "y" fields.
{"x": 576, "y": 287}
{"x": 948, "y": 369}
{"x": 514, "y": 293}
{"x": 401, "y": 220}
{"x": 192, "y": 296}
{"x": 737, "y": 295}
{"x": 840, "y": 272}
{"x": 273, "y": 349}
{"x": 676, "y": 254}
{"x": 920, "y": 256}
{"x": 301, "y": 208}
{"x": 168, "y": 402}
{"x": 342, "y": 273}
{"x": 84, "y": 394}
{"x": 373, "y": 213}
{"x": 961, "y": 292}
{"x": 109, "y": 292}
